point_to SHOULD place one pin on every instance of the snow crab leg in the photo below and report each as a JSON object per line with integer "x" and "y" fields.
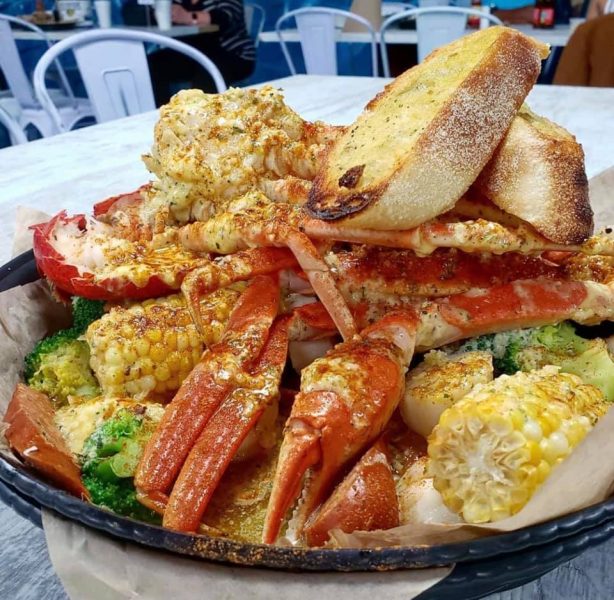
{"x": 365, "y": 500}
{"x": 254, "y": 221}
{"x": 227, "y": 270}
{"x": 221, "y": 368}
{"x": 529, "y": 303}
{"x": 235, "y": 231}
{"x": 346, "y": 399}
{"x": 372, "y": 272}
{"x": 219, "y": 403}
{"x": 224, "y": 433}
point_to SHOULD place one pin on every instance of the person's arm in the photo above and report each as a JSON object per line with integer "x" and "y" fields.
{"x": 226, "y": 13}
{"x": 516, "y": 15}
{"x": 514, "y": 11}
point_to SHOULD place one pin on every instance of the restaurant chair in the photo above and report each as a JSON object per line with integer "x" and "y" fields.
{"x": 16, "y": 133}
{"x": 23, "y": 105}
{"x": 113, "y": 66}
{"x": 318, "y": 28}
{"x": 436, "y": 26}
{"x": 255, "y": 17}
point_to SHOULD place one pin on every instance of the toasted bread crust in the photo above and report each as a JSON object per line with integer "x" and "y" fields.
{"x": 445, "y": 153}
{"x": 537, "y": 174}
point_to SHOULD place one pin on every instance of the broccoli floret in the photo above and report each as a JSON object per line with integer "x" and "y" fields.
{"x": 561, "y": 339}
{"x": 559, "y": 345}
{"x": 110, "y": 457}
{"x": 503, "y": 346}
{"x": 59, "y": 365}
{"x": 84, "y": 312}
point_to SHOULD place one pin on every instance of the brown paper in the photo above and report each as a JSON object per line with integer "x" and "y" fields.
{"x": 27, "y": 313}
{"x": 110, "y": 569}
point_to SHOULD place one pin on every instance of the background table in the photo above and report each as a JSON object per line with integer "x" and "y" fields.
{"x": 557, "y": 36}
{"x": 176, "y": 31}
{"x": 76, "y": 169}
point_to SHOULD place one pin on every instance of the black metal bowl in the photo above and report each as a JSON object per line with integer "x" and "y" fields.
{"x": 470, "y": 580}
{"x": 563, "y": 537}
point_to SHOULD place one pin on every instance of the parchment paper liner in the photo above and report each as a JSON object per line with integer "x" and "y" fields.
{"x": 94, "y": 566}
{"x": 87, "y": 560}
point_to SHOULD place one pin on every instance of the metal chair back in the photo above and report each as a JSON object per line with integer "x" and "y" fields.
{"x": 12, "y": 66}
{"x": 16, "y": 133}
{"x": 255, "y": 17}
{"x": 318, "y": 29}
{"x": 113, "y": 65}
{"x": 436, "y": 26}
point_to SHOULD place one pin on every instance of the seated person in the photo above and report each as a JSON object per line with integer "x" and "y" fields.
{"x": 231, "y": 49}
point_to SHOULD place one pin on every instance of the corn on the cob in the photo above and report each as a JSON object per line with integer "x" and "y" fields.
{"x": 146, "y": 350}
{"x": 494, "y": 447}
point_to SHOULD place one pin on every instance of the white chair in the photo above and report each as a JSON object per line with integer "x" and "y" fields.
{"x": 255, "y": 16}
{"x": 436, "y": 26}
{"x": 16, "y": 133}
{"x": 113, "y": 65}
{"x": 23, "y": 105}
{"x": 317, "y": 28}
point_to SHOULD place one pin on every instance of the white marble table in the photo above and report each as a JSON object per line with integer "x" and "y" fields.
{"x": 78, "y": 168}
{"x": 176, "y": 31}
{"x": 75, "y": 169}
{"x": 557, "y": 36}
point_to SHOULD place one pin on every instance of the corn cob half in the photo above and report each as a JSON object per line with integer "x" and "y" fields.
{"x": 144, "y": 351}
{"x": 493, "y": 448}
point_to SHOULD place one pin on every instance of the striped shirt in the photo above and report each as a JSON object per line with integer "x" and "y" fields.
{"x": 229, "y": 16}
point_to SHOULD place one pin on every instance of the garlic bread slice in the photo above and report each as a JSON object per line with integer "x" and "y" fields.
{"x": 420, "y": 143}
{"x": 537, "y": 174}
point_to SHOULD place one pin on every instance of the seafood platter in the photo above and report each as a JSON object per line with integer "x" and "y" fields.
{"x": 300, "y": 337}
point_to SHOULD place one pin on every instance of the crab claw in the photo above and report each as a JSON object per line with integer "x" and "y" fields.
{"x": 346, "y": 399}
{"x": 365, "y": 500}
{"x": 224, "y": 433}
